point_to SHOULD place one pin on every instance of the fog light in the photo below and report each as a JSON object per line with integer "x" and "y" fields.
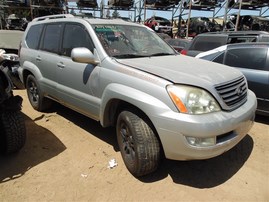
{"x": 201, "y": 142}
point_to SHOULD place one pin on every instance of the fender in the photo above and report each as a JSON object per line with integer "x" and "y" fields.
{"x": 141, "y": 100}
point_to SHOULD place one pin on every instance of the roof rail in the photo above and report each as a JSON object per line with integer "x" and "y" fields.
{"x": 48, "y": 17}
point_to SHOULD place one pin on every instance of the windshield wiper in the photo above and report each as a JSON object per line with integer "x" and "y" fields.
{"x": 160, "y": 54}
{"x": 129, "y": 56}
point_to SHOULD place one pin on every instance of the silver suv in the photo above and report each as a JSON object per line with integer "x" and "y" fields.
{"x": 123, "y": 74}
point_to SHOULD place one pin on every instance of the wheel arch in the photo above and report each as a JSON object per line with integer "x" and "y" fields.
{"x": 115, "y": 106}
{"x": 30, "y": 68}
{"x": 117, "y": 98}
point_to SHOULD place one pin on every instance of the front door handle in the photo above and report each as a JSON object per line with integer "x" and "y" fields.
{"x": 38, "y": 58}
{"x": 60, "y": 64}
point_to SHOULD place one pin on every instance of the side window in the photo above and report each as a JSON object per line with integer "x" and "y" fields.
{"x": 265, "y": 39}
{"x": 33, "y": 36}
{"x": 51, "y": 38}
{"x": 247, "y": 58}
{"x": 219, "y": 59}
{"x": 237, "y": 39}
{"x": 75, "y": 36}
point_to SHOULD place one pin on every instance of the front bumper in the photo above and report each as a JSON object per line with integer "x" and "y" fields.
{"x": 173, "y": 128}
{"x": 162, "y": 28}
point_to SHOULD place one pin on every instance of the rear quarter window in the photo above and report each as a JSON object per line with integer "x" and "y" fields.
{"x": 33, "y": 36}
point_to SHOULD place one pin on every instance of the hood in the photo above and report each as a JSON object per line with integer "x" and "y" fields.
{"x": 10, "y": 39}
{"x": 184, "y": 69}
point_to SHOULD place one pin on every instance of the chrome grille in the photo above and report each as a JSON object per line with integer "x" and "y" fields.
{"x": 233, "y": 93}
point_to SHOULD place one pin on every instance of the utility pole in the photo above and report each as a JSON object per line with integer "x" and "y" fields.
{"x": 225, "y": 15}
{"x": 238, "y": 15}
{"x": 189, "y": 16}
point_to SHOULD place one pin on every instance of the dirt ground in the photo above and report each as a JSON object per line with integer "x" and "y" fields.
{"x": 66, "y": 158}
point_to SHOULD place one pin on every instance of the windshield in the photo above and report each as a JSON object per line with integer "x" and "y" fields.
{"x": 125, "y": 41}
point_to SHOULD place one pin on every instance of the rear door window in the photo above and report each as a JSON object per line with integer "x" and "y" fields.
{"x": 247, "y": 58}
{"x": 52, "y": 38}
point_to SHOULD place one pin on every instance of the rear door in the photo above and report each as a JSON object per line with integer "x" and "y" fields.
{"x": 254, "y": 64}
{"x": 46, "y": 58}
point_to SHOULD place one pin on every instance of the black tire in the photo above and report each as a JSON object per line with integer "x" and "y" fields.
{"x": 13, "y": 131}
{"x": 35, "y": 95}
{"x": 199, "y": 29}
{"x": 139, "y": 146}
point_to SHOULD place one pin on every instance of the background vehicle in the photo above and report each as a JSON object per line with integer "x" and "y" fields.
{"x": 252, "y": 59}
{"x": 208, "y": 41}
{"x": 198, "y": 25}
{"x": 9, "y": 42}
{"x": 186, "y": 3}
{"x": 12, "y": 125}
{"x": 247, "y": 3}
{"x": 10, "y": 65}
{"x": 161, "y": 4}
{"x": 178, "y": 44}
{"x": 159, "y": 24}
{"x": 248, "y": 22}
{"x": 124, "y": 75}
{"x": 87, "y": 3}
{"x": 13, "y": 22}
{"x": 120, "y": 3}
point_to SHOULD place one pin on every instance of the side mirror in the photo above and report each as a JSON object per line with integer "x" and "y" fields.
{"x": 83, "y": 55}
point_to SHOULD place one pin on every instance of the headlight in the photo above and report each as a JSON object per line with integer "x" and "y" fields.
{"x": 192, "y": 100}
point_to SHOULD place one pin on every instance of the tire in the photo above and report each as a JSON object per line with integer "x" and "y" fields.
{"x": 13, "y": 132}
{"x": 35, "y": 95}
{"x": 139, "y": 146}
{"x": 199, "y": 29}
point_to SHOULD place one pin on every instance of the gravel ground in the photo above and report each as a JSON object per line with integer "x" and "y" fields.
{"x": 66, "y": 158}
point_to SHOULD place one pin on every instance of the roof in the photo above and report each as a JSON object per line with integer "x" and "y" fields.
{"x": 249, "y": 32}
{"x": 69, "y": 17}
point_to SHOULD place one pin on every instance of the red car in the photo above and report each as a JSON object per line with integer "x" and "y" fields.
{"x": 159, "y": 24}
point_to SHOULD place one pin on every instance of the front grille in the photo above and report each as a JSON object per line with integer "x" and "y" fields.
{"x": 233, "y": 93}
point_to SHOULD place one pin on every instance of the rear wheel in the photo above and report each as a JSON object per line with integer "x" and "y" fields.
{"x": 13, "y": 131}
{"x": 35, "y": 95}
{"x": 139, "y": 146}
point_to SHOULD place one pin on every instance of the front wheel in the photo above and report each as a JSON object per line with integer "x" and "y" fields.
{"x": 35, "y": 95}
{"x": 139, "y": 146}
{"x": 13, "y": 131}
